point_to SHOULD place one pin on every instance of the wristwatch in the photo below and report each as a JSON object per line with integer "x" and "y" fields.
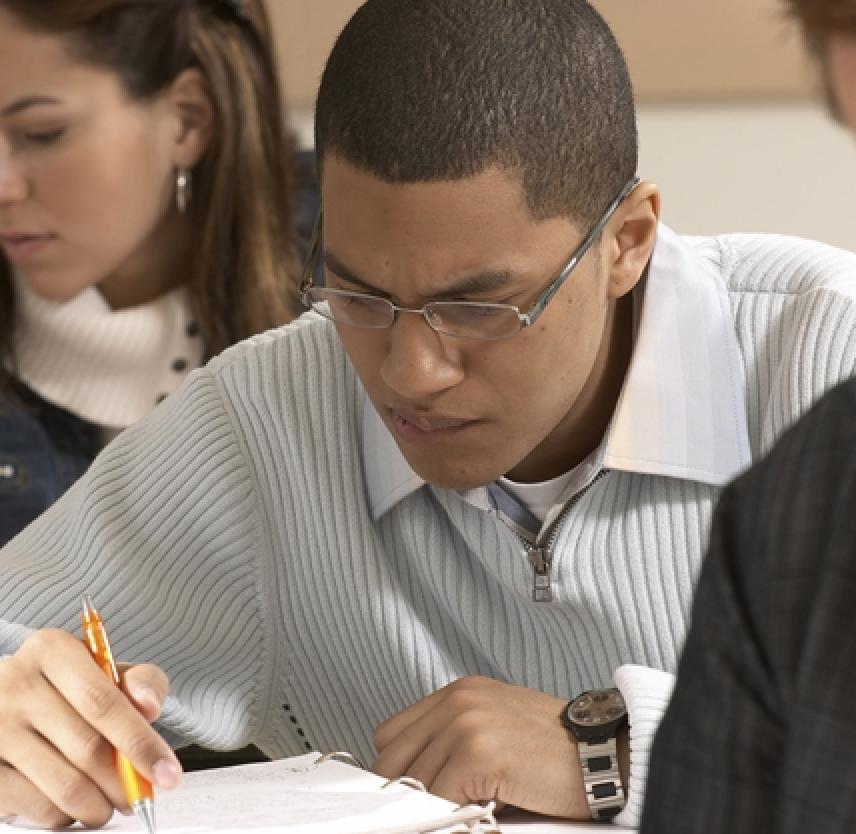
{"x": 594, "y": 719}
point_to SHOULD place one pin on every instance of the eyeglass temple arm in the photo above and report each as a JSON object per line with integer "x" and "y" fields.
{"x": 530, "y": 317}
{"x": 308, "y": 273}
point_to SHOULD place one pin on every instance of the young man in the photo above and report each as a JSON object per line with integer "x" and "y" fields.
{"x": 419, "y": 530}
{"x": 760, "y": 734}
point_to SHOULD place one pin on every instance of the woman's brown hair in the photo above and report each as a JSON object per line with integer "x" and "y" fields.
{"x": 822, "y": 18}
{"x": 243, "y": 261}
{"x": 819, "y": 20}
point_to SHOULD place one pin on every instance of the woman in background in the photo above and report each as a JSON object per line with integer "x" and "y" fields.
{"x": 145, "y": 218}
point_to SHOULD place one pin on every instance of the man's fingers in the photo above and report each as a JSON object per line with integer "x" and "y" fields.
{"x": 399, "y": 752}
{"x": 471, "y": 764}
{"x": 425, "y": 740}
{"x": 399, "y": 723}
{"x": 459, "y": 783}
{"x": 478, "y": 740}
{"x": 48, "y": 789}
{"x": 80, "y": 743}
{"x": 20, "y": 798}
{"x": 106, "y": 708}
{"x": 61, "y": 722}
{"x": 147, "y": 686}
{"x": 429, "y": 764}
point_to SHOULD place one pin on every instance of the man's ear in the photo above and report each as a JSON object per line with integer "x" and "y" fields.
{"x": 634, "y": 238}
{"x": 189, "y": 99}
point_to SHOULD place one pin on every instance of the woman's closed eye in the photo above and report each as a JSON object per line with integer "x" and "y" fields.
{"x": 44, "y": 137}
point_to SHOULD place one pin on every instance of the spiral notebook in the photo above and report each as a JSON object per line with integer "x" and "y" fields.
{"x": 310, "y": 794}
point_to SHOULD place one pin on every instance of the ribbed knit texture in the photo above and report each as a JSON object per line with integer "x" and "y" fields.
{"x": 228, "y": 538}
{"x": 646, "y": 692}
{"x": 109, "y": 367}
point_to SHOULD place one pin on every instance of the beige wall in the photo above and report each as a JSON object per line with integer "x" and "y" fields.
{"x": 305, "y": 31}
{"x": 725, "y": 126}
{"x": 709, "y": 49}
{"x": 677, "y": 49}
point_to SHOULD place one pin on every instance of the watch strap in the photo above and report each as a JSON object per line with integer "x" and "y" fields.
{"x": 602, "y": 778}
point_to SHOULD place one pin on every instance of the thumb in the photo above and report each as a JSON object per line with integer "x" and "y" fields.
{"x": 147, "y": 687}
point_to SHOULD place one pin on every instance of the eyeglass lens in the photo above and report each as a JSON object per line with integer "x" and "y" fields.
{"x": 464, "y": 320}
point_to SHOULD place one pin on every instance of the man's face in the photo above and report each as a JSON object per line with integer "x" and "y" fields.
{"x": 464, "y": 412}
{"x": 841, "y": 65}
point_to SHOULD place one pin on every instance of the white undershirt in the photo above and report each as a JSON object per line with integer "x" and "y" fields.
{"x": 546, "y": 498}
{"x": 538, "y": 498}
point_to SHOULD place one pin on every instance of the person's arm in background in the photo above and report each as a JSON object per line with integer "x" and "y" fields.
{"x": 760, "y": 734}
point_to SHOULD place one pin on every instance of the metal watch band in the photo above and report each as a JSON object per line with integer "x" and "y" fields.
{"x": 601, "y": 778}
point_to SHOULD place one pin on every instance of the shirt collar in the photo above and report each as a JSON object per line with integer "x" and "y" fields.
{"x": 682, "y": 410}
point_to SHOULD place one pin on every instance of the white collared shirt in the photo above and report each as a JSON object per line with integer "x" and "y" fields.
{"x": 681, "y": 412}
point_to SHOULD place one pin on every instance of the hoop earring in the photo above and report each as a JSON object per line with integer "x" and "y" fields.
{"x": 183, "y": 189}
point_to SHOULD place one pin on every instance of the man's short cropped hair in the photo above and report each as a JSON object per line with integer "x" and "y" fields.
{"x": 430, "y": 90}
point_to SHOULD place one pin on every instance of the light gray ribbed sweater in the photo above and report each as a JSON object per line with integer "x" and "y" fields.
{"x": 228, "y": 537}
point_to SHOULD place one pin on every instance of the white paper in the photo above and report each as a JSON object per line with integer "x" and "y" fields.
{"x": 292, "y": 796}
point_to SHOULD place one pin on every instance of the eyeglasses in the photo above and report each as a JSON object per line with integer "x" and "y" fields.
{"x": 460, "y": 319}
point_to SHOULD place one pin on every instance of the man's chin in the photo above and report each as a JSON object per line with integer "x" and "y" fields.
{"x": 455, "y": 476}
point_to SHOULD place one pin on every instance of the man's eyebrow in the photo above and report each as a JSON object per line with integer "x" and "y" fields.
{"x": 487, "y": 281}
{"x": 27, "y": 102}
{"x": 338, "y": 268}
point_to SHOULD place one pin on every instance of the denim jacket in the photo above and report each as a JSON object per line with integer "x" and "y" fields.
{"x": 44, "y": 449}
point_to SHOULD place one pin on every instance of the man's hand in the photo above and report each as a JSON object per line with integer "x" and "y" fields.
{"x": 477, "y": 740}
{"x": 61, "y": 719}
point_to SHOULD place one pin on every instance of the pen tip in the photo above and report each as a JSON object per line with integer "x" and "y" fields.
{"x": 88, "y": 607}
{"x": 145, "y": 811}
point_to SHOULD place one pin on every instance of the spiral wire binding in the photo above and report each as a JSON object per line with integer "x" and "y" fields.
{"x": 486, "y": 824}
{"x": 340, "y": 756}
{"x": 406, "y": 780}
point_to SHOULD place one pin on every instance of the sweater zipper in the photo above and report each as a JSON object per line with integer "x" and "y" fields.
{"x": 541, "y": 555}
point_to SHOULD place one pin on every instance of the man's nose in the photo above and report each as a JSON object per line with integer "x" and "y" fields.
{"x": 420, "y": 363}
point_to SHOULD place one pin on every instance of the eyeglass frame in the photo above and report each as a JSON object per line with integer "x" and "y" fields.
{"x": 526, "y": 319}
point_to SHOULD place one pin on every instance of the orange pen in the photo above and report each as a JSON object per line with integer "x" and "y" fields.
{"x": 138, "y": 789}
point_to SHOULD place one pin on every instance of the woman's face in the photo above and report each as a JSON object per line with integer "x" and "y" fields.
{"x": 87, "y": 176}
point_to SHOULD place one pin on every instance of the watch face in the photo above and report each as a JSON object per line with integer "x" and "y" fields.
{"x": 593, "y": 709}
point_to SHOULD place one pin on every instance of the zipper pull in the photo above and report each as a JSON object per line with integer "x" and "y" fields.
{"x": 540, "y": 558}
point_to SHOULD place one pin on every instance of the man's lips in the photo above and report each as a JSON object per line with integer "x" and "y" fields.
{"x": 430, "y": 422}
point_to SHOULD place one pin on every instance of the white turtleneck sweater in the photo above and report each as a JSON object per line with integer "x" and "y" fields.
{"x": 108, "y": 367}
